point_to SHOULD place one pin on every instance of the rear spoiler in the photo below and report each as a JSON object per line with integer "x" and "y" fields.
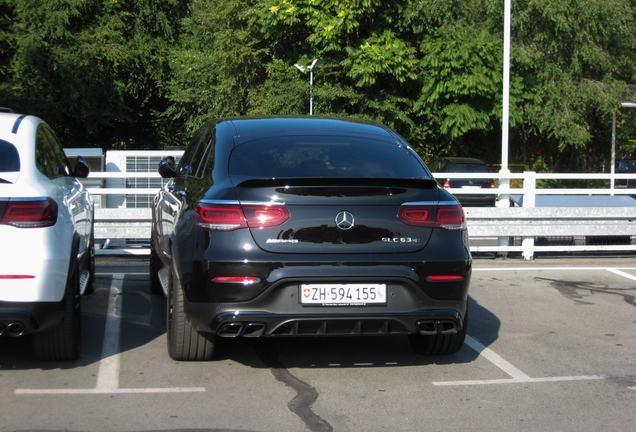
{"x": 339, "y": 181}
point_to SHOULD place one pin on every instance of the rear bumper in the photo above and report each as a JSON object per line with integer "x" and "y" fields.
{"x": 38, "y": 270}
{"x": 278, "y": 312}
{"x": 262, "y": 324}
{"x": 18, "y": 319}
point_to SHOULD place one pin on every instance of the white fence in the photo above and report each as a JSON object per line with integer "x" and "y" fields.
{"x": 494, "y": 230}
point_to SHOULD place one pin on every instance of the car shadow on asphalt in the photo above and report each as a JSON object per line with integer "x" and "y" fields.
{"x": 353, "y": 352}
{"x": 143, "y": 320}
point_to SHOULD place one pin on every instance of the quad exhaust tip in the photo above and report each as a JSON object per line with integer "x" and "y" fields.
{"x": 14, "y": 329}
{"x": 236, "y": 329}
{"x": 255, "y": 329}
{"x": 438, "y": 326}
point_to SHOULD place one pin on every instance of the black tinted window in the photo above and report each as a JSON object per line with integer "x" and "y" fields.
{"x": 9, "y": 157}
{"x": 193, "y": 161}
{"x": 622, "y": 166}
{"x": 49, "y": 155}
{"x": 467, "y": 168}
{"x": 324, "y": 156}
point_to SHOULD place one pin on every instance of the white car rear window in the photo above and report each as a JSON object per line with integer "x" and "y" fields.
{"x": 9, "y": 157}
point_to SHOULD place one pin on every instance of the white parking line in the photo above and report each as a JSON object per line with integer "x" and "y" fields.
{"x": 622, "y": 273}
{"x": 530, "y": 268}
{"x": 108, "y": 374}
{"x": 517, "y": 375}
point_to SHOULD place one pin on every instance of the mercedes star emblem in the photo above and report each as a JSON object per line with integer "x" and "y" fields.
{"x": 344, "y": 220}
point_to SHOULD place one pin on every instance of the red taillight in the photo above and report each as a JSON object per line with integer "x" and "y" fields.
{"x": 418, "y": 215}
{"x": 221, "y": 217}
{"x": 265, "y": 216}
{"x": 447, "y": 184}
{"x": 36, "y": 213}
{"x": 446, "y": 278}
{"x": 492, "y": 185}
{"x": 245, "y": 280}
{"x": 448, "y": 217}
{"x": 17, "y": 277}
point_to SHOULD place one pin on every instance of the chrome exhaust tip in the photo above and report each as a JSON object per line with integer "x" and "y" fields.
{"x": 15, "y": 329}
{"x": 253, "y": 330}
{"x": 437, "y": 326}
{"x": 231, "y": 330}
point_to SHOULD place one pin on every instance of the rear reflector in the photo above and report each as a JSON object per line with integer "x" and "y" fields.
{"x": 222, "y": 217}
{"x": 448, "y": 217}
{"x": 245, "y": 280}
{"x": 17, "y": 277}
{"x": 32, "y": 213}
{"x": 446, "y": 278}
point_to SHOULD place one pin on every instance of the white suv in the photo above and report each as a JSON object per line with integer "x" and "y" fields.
{"x": 47, "y": 256}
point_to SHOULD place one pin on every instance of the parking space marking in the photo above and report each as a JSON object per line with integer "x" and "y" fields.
{"x": 108, "y": 374}
{"x": 517, "y": 375}
{"x": 497, "y": 360}
{"x": 613, "y": 269}
{"x": 622, "y": 273}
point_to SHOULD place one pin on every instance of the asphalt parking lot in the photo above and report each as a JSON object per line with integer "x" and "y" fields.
{"x": 551, "y": 346}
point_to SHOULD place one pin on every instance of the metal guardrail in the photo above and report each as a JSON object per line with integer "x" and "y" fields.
{"x": 580, "y": 224}
{"x": 499, "y": 225}
{"x": 123, "y": 223}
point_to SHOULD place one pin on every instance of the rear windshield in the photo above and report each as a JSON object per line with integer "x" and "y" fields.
{"x": 468, "y": 168}
{"x": 324, "y": 156}
{"x": 626, "y": 166}
{"x": 9, "y": 157}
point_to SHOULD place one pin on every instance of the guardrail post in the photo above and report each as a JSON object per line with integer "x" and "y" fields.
{"x": 503, "y": 201}
{"x": 529, "y": 199}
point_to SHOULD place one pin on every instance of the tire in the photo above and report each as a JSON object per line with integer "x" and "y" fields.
{"x": 155, "y": 265}
{"x": 90, "y": 265}
{"x": 440, "y": 344}
{"x": 61, "y": 343}
{"x": 184, "y": 342}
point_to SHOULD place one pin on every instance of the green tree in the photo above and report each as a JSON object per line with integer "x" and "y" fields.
{"x": 92, "y": 68}
{"x": 576, "y": 57}
{"x": 146, "y": 73}
{"x": 8, "y": 43}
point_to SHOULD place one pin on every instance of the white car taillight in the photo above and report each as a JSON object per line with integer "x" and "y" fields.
{"x": 28, "y": 213}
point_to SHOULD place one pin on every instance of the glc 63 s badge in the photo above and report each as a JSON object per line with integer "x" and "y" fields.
{"x": 400, "y": 240}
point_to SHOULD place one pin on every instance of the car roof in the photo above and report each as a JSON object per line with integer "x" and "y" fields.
{"x": 13, "y": 126}
{"x": 19, "y": 130}
{"x": 274, "y": 125}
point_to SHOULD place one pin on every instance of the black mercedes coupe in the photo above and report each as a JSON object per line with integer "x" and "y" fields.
{"x": 307, "y": 226}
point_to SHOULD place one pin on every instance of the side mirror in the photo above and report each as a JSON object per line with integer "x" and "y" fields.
{"x": 81, "y": 168}
{"x": 167, "y": 167}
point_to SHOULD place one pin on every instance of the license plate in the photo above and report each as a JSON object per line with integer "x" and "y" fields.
{"x": 342, "y": 294}
{"x": 470, "y": 187}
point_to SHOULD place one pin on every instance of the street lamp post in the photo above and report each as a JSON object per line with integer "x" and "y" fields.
{"x": 314, "y": 64}
{"x": 504, "y": 183}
